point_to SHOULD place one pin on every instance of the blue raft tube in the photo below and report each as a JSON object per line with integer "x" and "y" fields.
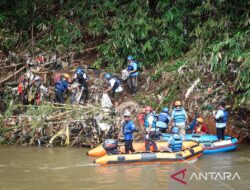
{"x": 210, "y": 142}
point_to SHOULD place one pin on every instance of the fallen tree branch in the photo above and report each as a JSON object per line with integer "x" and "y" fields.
{"x": 77, "y": 138}
{"x": 9, "y": 66}
{"x": 6, "y": 79}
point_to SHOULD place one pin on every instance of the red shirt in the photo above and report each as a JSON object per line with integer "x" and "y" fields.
{"x": 141, "y": 119}
{"x": 20, "y": 88}
{"x": 202, "y": 130}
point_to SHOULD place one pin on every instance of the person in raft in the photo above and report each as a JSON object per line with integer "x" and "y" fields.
{"x": 221, "y": 117}
{"x": 179, "y": 118}
{"x": 150, "y": 128}
{"x": 200, "y": 127}
{"x": 175, "y": 142}
{"x": 163, "y": 120}
{"x": 128, "y": 128}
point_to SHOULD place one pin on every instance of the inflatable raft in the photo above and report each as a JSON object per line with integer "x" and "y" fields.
{"x": 191, "y": 150}
{"x": 210, "y": 142}
{"x": 195, "y": 137}
{"x": 138, "y": 146}
{"x": 219, "y": 147}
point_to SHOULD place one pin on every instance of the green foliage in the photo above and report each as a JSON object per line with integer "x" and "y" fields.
{"x": 218, "y": 30}
{"x": 64, "y": 34}
{"x": 168, "y": 67}
{"x": 232, "y": 57}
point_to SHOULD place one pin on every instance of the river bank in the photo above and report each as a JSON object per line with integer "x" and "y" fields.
{"x": 49, "y": 124}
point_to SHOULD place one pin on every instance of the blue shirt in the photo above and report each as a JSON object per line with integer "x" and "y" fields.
{"x": 134, "y": 64}
{"x": 61, "y": 86}
{"x": 128, "y": 128}
{"x": 219, "y": 114}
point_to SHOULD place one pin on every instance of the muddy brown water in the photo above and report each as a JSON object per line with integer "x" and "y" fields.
{"x": 31, "y": 168}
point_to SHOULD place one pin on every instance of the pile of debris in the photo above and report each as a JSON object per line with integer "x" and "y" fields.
{"x": 48, "y": 123}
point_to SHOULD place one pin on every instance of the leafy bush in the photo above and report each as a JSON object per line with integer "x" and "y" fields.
{"x": 152, "y": 31}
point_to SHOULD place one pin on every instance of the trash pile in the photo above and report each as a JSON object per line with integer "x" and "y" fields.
{"x": 49, "y": 124}
{"x": 30, "y": 116}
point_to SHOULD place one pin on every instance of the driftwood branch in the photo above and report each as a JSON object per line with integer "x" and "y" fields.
{"x": 89, "y": 49}
{"x": 10, "y": 66}
{"x": 6, "y": 79}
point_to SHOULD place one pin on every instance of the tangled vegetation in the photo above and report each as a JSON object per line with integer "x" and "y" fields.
{"x": 213, "y": 34}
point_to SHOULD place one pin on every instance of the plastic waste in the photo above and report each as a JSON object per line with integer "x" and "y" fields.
{"x": 106, "y": 102}
{"x": 125, "y": 74}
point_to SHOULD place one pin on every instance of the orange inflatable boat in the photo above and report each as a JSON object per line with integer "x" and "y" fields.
{"x": 191, "y": 150}
{"x": 138, "y": 146}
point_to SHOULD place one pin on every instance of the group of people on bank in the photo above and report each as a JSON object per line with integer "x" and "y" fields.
{"x": 32, "y": 91}
{"x": 79, "y": 91}
{"x": 177, "y": 123}
{"x": 64, "y": 83}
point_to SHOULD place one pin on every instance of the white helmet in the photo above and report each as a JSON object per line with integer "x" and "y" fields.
{"x": 127, "y": 113}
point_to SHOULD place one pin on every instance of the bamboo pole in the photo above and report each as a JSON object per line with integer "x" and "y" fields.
{"x": 32, "y": 39}
{"x": 166, "y": 93}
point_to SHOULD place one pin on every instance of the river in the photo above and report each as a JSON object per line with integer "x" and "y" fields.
{"x": 28, "y": 168}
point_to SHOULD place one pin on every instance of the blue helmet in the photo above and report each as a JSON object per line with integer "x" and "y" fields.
{"x": 107, "y": 76}
{"x": 175, "y": 130}
{"x": 165, "y": 109}
{"x": 130, "y": 57}
{"x": 79, "y": 70}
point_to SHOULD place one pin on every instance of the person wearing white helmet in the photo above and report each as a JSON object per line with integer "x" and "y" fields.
{"x": 128, "y": 128}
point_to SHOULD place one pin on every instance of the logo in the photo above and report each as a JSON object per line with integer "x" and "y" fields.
{"x": 180, "y": 180}
{"x": 214, "y": 176}
{"x": 205, "y": 176}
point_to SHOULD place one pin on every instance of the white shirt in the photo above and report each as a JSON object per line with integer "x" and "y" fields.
{"x": 84, "y": 76}
{"x": 112, "y": 83}
{"x": 150, "y": 120}
{"x": 219, "y": 114}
